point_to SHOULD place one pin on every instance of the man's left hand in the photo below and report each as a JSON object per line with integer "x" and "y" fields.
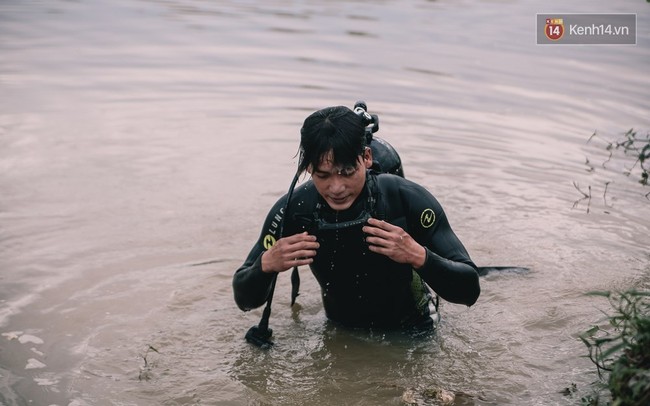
{"x": 393, "y": 242}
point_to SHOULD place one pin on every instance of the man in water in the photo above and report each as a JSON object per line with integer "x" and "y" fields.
{"x": 371, "y": 240}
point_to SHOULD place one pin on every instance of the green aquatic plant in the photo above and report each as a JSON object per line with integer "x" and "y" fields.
{"x": 620, "y": 348}
{"x": 633, "y": 145}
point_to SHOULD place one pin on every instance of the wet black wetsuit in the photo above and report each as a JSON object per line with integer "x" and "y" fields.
{"x": 361, "y": 288}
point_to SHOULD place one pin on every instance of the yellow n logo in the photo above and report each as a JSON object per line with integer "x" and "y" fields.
{"x": 427, "y": 218}
{"x": 268, "y": 241}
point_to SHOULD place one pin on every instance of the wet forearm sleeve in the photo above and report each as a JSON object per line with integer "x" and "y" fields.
{"x": 251, "y": 285}
{"x": 454, "y": 281}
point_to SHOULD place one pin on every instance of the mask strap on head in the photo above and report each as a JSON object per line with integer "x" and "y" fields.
{"x": 261, "y": 333}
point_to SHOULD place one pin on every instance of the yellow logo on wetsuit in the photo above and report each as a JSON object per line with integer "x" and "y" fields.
{"x": 427, "y": 218}
{"x": 268, "y": 241}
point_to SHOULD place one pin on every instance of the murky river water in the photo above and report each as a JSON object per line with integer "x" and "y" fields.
{"x": 142, "y": 143}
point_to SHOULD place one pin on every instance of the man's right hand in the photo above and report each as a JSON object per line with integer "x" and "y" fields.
{"x": 287, "y": 252}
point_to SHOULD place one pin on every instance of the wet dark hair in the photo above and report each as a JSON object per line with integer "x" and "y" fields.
{"x": 337, "y": 129}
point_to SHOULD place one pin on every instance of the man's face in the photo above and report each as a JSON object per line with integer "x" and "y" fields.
{"x": 338, "y": 185}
